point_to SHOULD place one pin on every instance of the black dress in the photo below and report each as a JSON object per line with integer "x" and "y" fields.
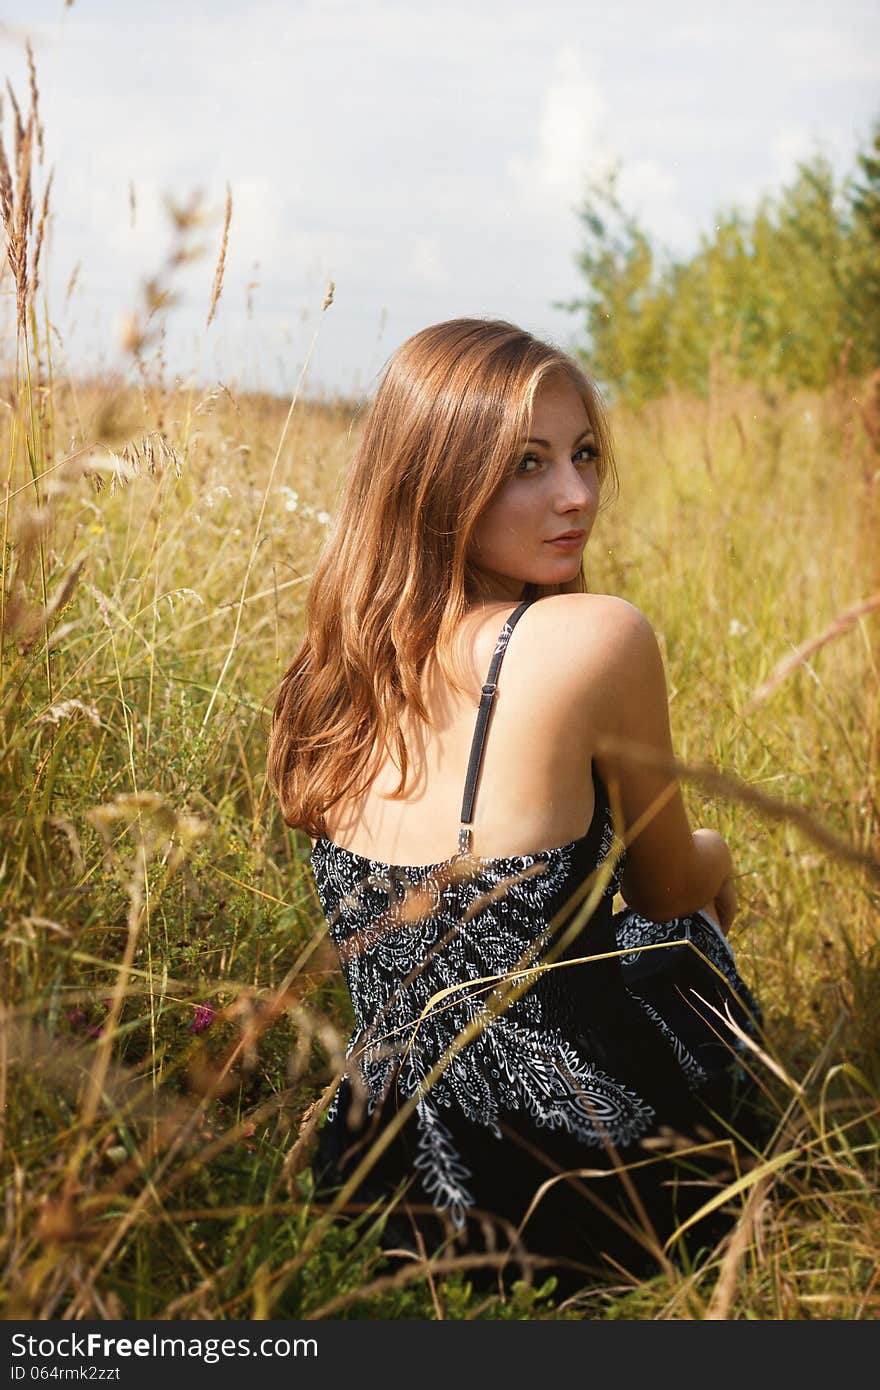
{"x": 608, "y": 1066}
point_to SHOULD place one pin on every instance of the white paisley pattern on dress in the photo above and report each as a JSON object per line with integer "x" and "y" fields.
{"x": 405, "y": 933}
{"x": 504, "y": 637}
{"x": 635, "y": 931}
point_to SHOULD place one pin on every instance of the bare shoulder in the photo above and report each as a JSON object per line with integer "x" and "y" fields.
{"x": 592, "y": 624}
{"x": 605, "y": 653}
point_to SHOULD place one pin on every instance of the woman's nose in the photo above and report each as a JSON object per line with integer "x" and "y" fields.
{"x": 577, "y": 491}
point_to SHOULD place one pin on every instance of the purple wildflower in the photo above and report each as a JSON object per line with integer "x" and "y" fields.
{"x": 204, "y": 1017}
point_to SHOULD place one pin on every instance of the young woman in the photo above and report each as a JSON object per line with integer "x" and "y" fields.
{"x": 536, "y": 1082}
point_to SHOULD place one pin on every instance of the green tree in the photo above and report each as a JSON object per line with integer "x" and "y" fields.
{"x": 624, "y": 321}
{"x": 785, "y": 296}
{"x": 863, "y": 317}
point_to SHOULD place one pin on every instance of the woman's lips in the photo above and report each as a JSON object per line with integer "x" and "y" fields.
{"x": 571, "y": 540}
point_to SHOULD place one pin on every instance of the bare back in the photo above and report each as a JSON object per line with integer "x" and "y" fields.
{"x": 536, "y": 790}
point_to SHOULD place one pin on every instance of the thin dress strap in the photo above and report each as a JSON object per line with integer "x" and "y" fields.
{"x": 487, "y": 701}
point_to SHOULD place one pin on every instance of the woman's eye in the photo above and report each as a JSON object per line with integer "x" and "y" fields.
{"x": 521, "y": 467}
{"x": 590, "y": 450}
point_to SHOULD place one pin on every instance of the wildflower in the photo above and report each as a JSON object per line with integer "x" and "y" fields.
{"x": 219, "y": 491}
{"x": 736, "y": 628}
{"x": 323, "y": 518}
{"x": 203, "y": 1018}
{"x": 65, "y": 709}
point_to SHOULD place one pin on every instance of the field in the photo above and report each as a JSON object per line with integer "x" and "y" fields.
{"x": 171, "y": 1006}
{"x": 173, "y": 1016}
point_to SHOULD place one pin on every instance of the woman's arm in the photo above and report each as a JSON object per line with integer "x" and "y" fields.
{"x": 669, "y": 870}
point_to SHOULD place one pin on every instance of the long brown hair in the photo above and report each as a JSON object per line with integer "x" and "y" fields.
{"x": 393, "y": 581}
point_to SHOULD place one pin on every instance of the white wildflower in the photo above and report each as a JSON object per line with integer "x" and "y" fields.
{"x": 55, "y": 713}
{"x": 736, "y": 628}
{"x": 219, "y": 491}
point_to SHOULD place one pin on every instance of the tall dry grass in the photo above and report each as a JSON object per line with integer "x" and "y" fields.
{"x": 172, "y": 1015}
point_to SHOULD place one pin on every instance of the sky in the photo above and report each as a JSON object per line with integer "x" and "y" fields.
{"x": 428, "y": 159}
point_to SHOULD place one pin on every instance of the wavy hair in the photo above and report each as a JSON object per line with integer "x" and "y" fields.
{"x": 394, "y": 579}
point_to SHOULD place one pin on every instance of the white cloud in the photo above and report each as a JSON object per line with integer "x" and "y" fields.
{"x": 573, "y": 146}
{"x": 571, "y": 134}
{"x": 789, "y": 147}
{"x": 650, "y": 191}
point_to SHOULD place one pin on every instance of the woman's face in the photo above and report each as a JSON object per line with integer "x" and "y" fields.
{"x": 553, "y": 493}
